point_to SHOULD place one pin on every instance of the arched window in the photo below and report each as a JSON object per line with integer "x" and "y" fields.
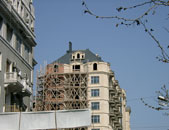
{"x": 78, "y": 56}
{"x": 94, "y": 66}
{"x": 55, "y": 68}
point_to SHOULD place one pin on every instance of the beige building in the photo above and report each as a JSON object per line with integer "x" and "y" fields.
{"x": 81, "y": 79}
{"x": 17, "y": 42}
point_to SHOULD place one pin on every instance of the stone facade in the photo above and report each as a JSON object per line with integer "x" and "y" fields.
{"x": 17, "y": 42}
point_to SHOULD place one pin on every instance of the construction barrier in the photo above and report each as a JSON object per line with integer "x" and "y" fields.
{"x": 45, "y": 119}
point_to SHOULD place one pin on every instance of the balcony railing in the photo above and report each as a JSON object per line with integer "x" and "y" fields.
{"x": 15, "y": 80}
{"x": 12, "y": 108}
{"x": 12, "y": 77}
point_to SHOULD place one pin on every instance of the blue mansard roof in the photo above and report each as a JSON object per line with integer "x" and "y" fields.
{"x": 89, "y": 57}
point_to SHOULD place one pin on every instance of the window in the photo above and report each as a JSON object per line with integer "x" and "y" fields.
{"x": 18, "y": 44}
{"x": 95, "y": 92}
{"x": 76, "y": 67}
{"x": 0, "y": 61}
{"x": 78, "y": 56}
{"x": 94, "y": 79}
{"x": 95, "y": 105}
{"x": 26, "y": 53}
{"x": 9, "y": 34}
{"x": 95, "y": 119}
{"x": 55, "y": 68}
{"x": 8, "y": 64}
{"x": 94, "y": 66}
{"x": 1, "y": 22}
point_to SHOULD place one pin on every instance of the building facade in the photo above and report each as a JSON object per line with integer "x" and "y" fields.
{"x": 81, "y": 79}
{"x": 17, "y": 42}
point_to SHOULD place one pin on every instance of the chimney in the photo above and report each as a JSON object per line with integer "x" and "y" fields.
{"x": 70, "y": 46}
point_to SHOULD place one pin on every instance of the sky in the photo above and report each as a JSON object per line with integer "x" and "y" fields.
{"x": 129, "y": 50}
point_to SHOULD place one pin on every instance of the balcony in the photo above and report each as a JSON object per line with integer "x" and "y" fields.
{"x": 112, "y": 90}
{"x": 112, "y": 115}
{"x": 16, "y": 83}
{"x": 111, "y": 73}
{"x": 12, "y": 108}
{"x": 118, "y": 104}
{"x": 112, "y": 103}
{"x": 12, "y": 78}
{"x": 116, "y": 121}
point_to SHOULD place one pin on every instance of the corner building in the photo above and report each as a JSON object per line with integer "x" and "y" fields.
{"x": 17, "y": 42}
{"x": 81, "y": 79}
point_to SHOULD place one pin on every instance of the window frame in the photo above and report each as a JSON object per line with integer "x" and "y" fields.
{"x": 95, "y": 66}
{"x": 0, "y": 61}
{"x": 18, "y": 42}
{"x": 26, "y": 55}
{"x": 95, "y": 79}
{"x": 9, "y": 33}
{"x": 95, "y": 105}
{"x": 55, "y": 68}
{"x": 95, "y": 92}
{"x": 1, "y": 26}
{"x": 76, "y": 67}
{"x": 95, "y": 119}
{"x": 78, "y": 55}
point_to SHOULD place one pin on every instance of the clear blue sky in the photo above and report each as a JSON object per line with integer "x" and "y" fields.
{"x": 130, "y": 51}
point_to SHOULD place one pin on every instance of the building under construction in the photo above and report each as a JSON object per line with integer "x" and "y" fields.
{"x": 81, "y": 79}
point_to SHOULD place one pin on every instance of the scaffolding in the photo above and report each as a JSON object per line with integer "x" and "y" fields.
{"x": 65, "y": 87}
{"x": 59, "y": 90}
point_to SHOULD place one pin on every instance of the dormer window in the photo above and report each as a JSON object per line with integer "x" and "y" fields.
{"x": 82, "y": 56}
{"x": 95, "y": 66}
{"x": 78, "y": 56}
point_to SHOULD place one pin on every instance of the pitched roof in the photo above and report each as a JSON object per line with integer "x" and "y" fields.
{"x": 89, "y": 57}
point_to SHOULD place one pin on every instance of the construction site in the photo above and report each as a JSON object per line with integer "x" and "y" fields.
{"x": 77, "y": 91}
{"x": 80, "y": 80}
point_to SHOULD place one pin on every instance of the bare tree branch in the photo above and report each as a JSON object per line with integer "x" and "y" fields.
{"x": 163, "y": 100}
{"x": 164, "y": 57}
{"x": 163, "y": 95}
